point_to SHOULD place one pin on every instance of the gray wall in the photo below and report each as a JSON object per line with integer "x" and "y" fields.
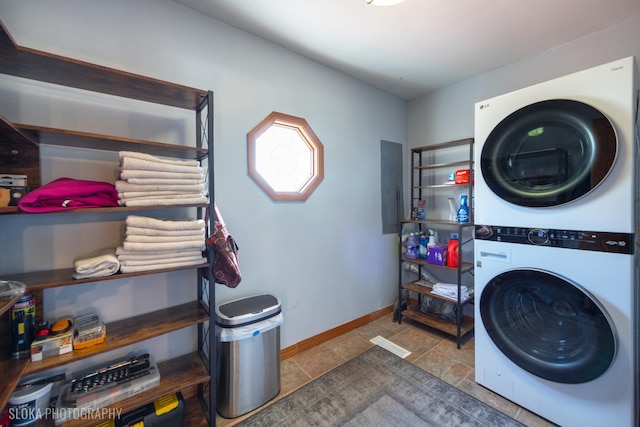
{"x": 448, "y": 114}
{"x": 326, "y": 258}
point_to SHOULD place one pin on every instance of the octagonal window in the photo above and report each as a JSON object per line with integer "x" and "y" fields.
{"x": 286, "y": 158}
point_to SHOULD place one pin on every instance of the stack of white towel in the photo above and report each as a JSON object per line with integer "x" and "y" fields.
{"x": 147, "y": 180}
{"x": 152, "y": 244}
{"x": 450, "y": 291}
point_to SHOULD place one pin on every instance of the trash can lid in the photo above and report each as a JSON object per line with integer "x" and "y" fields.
{"x": 247, "y": 310}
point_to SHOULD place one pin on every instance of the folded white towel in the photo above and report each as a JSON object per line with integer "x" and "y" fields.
{"x": 164, "y": 246}
{"x": 129, "y": 163}
{"x": 136, "y": 173}
{"x": 450, "y": 295}
{"x": 152, "y": 158}
{"x": 139, "y": 268}
{"x": 138, "y": 194}
{"x": 160, "y": 239}
{"x": 163, "y": 201}
{"x": 164, "y": 224}
{"x": 102, "y": 263}
{"x": 124, "y": 254}
{"x": 167, "y": 181}
{"x": 151, "y": 195}
{"x": 141, "y": 231}
{"x": 449, "y": 286}
{"x": 463, "y": 289}
{"x": 134, "y": 262}
{"x": 149, "y": 256}
{"x": 167, "y": 185}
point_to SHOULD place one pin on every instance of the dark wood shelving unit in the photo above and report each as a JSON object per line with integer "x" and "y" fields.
{"x": 422, "y": 185}
{"x": 190, "y": 373}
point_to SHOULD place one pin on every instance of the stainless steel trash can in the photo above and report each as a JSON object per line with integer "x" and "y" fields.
{"x": 248, "y": 343}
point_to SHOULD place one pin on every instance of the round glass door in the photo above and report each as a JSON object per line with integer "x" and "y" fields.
{"x": 548, "y": 326}
{"x": 549, "y": 153}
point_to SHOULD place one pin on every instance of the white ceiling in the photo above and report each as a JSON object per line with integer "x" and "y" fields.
{"x": 418, "y": 46}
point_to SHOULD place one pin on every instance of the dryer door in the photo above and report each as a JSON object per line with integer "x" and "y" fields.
{"x": 549, "y": 153}
{"x": 548, "y": 326}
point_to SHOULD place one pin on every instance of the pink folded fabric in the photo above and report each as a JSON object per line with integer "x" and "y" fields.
{"x": 67, "y": 193}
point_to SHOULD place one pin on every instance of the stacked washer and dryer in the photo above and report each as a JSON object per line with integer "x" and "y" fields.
{"x": 556, "y": 278}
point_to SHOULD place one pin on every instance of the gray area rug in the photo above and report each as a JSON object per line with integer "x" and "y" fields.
{"x": 378, "y": 388}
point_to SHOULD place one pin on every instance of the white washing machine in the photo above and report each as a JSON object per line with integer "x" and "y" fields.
{"x": 556, "y": 324}
{"x": 560, "y": 154}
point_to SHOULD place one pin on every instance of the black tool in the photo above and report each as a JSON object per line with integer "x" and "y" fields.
{"x": 134, "y": 367}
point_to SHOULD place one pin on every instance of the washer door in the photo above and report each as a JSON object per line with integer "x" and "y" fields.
{"x": 548, "y": 326}
{"x": 549, "y": 153}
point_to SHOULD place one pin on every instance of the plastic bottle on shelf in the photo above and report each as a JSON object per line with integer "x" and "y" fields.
{"x": 433, "y": 241}
{"x": 463, "y": 210}
{"x": 453, "y": 210}
{"x": 413, "y": 242}
{"x": 423, "y": 245}
{"x": 452, "y": 252}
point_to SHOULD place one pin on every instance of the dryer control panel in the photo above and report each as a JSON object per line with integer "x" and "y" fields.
{"x": 600, "y": 241}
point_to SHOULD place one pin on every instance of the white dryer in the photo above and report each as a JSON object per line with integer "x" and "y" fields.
{"x": 556, "y": 323}
{"x": 559, "y": 154}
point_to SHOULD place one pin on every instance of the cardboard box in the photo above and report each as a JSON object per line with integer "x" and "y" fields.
{"x": 462, "y": 176}
{"x": 52, "y": 346}
{"x": 437, "y": 255}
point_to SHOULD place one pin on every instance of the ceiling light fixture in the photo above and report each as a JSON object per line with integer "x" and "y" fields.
{"x": 383, "y": 2}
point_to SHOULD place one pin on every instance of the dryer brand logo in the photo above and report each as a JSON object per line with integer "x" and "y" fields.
{"x": 483, "y": 106}
{"x": 620, "y": 243}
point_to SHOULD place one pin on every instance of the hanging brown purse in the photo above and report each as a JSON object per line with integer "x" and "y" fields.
{"x": 226, "y": 268}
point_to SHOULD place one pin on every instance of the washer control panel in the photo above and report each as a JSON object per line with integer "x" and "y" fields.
{"x": 600, "y": 241}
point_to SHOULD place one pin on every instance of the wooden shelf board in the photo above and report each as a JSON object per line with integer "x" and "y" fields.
{"x": 444, "y": 165}
{"x": 70, "y": 138}
{"x": 425, "y": 290}
{"x": 130, "y": 331}
{"x": 12, "y": 371}
{"x": 11, "y": 134}
{"x": 64, "y": 277}
{"x": 46, "y": 67}
{"x": 14, "y": 209}
{"x": 466, "y": 266}
{"x": 9, "y": 209}
{"x": 439, "y": 324}
{"x": 465, "y": 141}
{"x": 6, "y": 303}
{"x": 441, "y": 186}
